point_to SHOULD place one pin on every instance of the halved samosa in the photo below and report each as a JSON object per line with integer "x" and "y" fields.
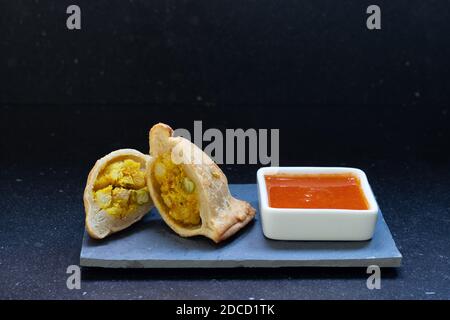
{"x": 116, "y": 193}
{"x": 189, "y": 189}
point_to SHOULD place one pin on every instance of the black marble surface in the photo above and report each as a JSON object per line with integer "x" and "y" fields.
{"x": 42, "y": 227}
{"x": 44, "y": 168}
{"x": 340, "y": 95}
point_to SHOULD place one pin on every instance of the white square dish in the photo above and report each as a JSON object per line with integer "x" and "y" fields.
{"x": 316, "y": 224}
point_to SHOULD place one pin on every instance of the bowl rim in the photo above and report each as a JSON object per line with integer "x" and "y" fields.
{"x": 365, "y": 186}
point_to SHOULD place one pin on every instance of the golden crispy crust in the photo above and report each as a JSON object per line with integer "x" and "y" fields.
{"x": 233, "y": 227}
{"x": 221, "y": 214}
{"x": 100, "y": 224}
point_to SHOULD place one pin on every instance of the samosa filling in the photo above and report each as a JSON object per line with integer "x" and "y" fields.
{"x": 177, "y": 191}
{"x": 120, "y": 188}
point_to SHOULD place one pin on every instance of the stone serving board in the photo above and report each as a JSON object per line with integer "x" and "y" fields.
{"x": 150, "y": 243}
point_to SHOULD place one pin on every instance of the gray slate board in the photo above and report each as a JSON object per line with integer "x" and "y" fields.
{"x": 151, "y": 244}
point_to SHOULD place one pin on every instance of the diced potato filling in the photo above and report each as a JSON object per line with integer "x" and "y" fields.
{"x": 177, "y": 191}
{"x": 120, "y": 188}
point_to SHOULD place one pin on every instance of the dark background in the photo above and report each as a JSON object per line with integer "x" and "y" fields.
{"x": 340, "y": 94}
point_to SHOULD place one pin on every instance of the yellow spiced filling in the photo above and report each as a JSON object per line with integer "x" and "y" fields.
{"x": 177, "y": 191}
{"x": 120, "y": 188}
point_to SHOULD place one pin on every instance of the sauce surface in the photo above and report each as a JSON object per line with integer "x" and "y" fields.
{"x": 316, "y": 191}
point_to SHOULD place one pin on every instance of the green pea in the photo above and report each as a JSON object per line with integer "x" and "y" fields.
{"x": 188, "y": 185}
